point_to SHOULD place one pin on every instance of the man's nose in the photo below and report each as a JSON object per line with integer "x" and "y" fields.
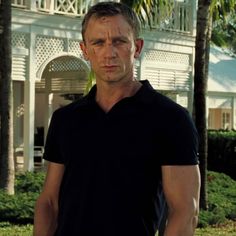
{"x": 109, "y": 50}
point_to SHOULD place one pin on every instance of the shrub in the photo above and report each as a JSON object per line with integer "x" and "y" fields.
{"x": 221, "y": 200}
{"x": 29, "y": 182}
{"x": 222, "y": 152}
{"x": 19, "y": 208}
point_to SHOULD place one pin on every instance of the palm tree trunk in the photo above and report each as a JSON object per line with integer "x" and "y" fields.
{"x": 200, "y": 90}
{"x": 7, "y": 170}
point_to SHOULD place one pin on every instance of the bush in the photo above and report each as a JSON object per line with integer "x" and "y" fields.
{"x": 19, "y": 208}
{"x": 222, "y": 152}
{"x": 221, "y": 200}
{"x": 29, "y": 182}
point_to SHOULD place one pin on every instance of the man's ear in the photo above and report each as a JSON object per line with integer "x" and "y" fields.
{"x": 84, "y": 50}
{"x": 138, "y": 47}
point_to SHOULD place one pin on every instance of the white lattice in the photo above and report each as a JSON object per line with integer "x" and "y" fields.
{"x": 67, "y": 74}
{"x": 74, "y": 47}
{"x": 47, "y": 47}
{"x": 66, "y": 64}
{"x": 20, "y": 110}
{"x": 166, "y": 57}
{"x": 20, "y": 40}
{"x": 66, "y": 6}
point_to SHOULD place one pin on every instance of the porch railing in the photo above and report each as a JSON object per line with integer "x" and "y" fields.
{"x": 181, "y": 18}
{"x": 65, "y": 7}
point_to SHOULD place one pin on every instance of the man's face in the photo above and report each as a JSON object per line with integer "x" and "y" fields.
{"x": 111, "y": 48}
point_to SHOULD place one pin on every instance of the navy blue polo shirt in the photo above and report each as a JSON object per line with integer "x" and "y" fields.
{"x": 113, "y": 161}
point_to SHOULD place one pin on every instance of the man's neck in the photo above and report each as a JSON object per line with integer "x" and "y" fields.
{"x": 108, "y": 96}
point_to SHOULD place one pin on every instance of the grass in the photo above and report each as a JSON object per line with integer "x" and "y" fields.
{"x": 7, "y": 229}
{"x": 228, "y": 229}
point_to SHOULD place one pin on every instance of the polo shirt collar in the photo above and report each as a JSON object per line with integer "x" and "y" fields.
{"x": 143, "y": 94}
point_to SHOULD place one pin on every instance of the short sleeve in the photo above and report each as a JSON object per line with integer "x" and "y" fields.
{"x": 52, "y": 146}
{"x": 181, "y": 140}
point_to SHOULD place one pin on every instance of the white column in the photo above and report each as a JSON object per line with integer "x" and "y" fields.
{"x": 177, "y": 98}
{"x": 207, "y": 111}
{"x": 140, "y": 73}
{"x": 191, "y": 82}
{"x": 29, "y": 100}
{"x": 193, "y": 26}
{"x": 29, "y": 105}
{"x": 48, "y": 104}
{"x": 234, "y": 112}
{"x": 48, "y": 112}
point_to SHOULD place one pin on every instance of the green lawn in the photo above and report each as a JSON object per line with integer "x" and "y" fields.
{"x": 228, "y": 229}
{"x": 7, "y": 229}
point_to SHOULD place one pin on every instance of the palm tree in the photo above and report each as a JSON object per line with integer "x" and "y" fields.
{"x": 224, "y": 32}
{"x": 207, "y": 12}
{"x": 7, "y": 172}
{"x": 151, "y": 12}
{"x": 200, "y": 89}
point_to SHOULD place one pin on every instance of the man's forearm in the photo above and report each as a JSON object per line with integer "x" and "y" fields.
{"x": 181, "y": 225}
{"x": 45, "y": 219}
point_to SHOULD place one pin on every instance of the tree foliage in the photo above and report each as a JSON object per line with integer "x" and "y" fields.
{"x": 224, "y": 32}
{"x": 152, "y": 12}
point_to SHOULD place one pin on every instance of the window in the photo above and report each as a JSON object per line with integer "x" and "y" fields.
{"x": 226, "y": 120}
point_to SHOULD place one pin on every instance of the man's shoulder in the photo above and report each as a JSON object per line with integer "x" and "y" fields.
{"x": 157, "y": 99}
{"x": 71, "y": 107}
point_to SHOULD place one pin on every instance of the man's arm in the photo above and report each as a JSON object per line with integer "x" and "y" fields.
{"x": 46, "y": 208}
{"x": 181, "y": 186}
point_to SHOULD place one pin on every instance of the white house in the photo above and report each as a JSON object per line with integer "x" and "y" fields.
{"x": 48, "y": 63}
{"x": 221, "y": 90}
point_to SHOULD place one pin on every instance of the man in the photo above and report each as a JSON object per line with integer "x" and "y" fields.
{"x": 114, "y": 153}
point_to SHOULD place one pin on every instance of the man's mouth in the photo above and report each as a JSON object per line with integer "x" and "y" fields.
{"x": 109, "y": 67}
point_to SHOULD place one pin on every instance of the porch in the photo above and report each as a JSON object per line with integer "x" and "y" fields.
{"x": 182, "y": 19}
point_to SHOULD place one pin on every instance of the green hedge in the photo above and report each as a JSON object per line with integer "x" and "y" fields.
{"x": 19, "y": 208}
{"x": 221, "y": 200}
{"x": 222, "y": 152}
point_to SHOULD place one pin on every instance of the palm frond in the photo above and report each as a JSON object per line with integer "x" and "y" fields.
{"x": 152, "y": 12}
{"x": 90, "y": 82}
{"x": 221, "y": 8}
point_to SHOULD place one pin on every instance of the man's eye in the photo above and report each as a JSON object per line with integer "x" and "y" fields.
{"x": 119, "y": 41}
{"x": 98, "y": 43}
